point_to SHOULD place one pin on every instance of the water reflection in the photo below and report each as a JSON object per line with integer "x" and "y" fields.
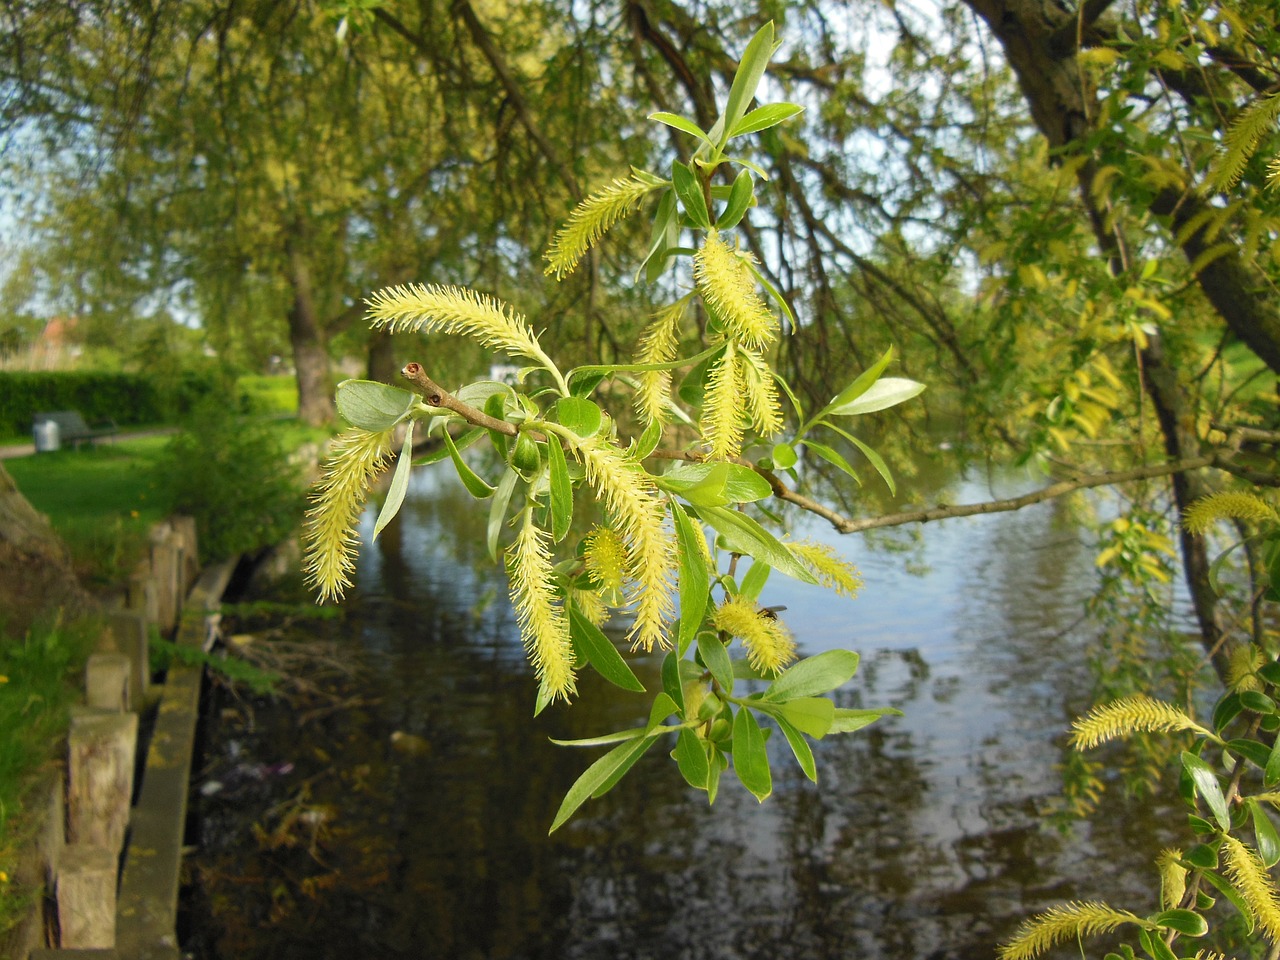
{"x": 923, "y": 838}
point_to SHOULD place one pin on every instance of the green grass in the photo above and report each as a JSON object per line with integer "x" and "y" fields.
{"x": 269, "y": 395}
{"x": 38, "y": 683}
{"x": 101, "y": 501}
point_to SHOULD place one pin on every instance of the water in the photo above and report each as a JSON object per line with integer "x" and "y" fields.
{"x": 923, "y": 838}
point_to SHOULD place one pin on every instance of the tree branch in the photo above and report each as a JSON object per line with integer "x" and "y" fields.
{"x": 438, "y": 396}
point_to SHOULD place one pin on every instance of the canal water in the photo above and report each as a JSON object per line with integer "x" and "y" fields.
{"x": 413, "y": 823}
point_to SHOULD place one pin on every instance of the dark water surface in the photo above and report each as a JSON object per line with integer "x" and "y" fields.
{"x": 922, "y": 839}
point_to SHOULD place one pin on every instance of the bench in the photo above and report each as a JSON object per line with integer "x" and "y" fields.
{"x": 72, "y": 428}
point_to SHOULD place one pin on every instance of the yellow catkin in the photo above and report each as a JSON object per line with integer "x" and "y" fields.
{"x": 428, "y": 308}
{"x": 726, "y": 284}
{"x": 637, "y": 515}
{"x": 1245, "y": 870}
{"x": 721, "y": 421}
{"x": 1136, "y": 714}
{"x": 1071, "y": 921}
{"x": 831, "y": 569}
{"x": 591, "y": 605}
{"x": 589, "y": 220}
{"x": 1173, "y": 878}
{"x": 1242, "y": 663}
{"x": 1203, "y": 513}
{"x": 760, "y": 393}
{"x": 543, "y": 625}
{"x": 329, "y": 530}
{"x": 768, "y": 642}
{"x": 659, "y": 344}
{"x": 605, "y": 556}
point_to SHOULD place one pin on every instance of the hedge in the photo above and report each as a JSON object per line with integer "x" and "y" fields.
{"x": 126, "y": 398}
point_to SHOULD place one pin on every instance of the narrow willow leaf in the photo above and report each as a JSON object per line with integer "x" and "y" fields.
{"x": 441, "y": 452}
{"x": 660, "y": 242}
{"x": 783, "y": 456}
{"x": 799, "y": 746}
{"x": 1256, "y": 753}
{"x": 617, "y": 761}
{"x": 811, "y": 715}
{"x": 476, "y": 486}
{"x": 814, "y": 675}
{"x": 1237, "y": 901}
{"x": 590, "y": 642}
{"x": 561, "y": 489}
{"x": 833, "y": 458}
{"x": 715, "y": 484}
{"x": 881, "y": 395}
{"x": 716, "y": 659}
{"x": 1208, "y": 787}
{"x": 682, "y": 124}
{"x": 1186, "y": 922}
{"x": 762, "y": 118}
{"x": 746, "y": 79}
{"x": 739, "y": 201}
{"x": 1266, "y": 840}
{"x": 1257, "y": 702}
{"x": 672, "y": 682}
{"x": 753, "y": 583}
{"x": 860, "y": 385}
{"x": 689, "y": 190}
{"x": 695, "y": 582}
{"x": 1228, "y": 708}
{"x": 750, "y": 759}
{"x": 373, "y": 406}
{"x": 580, "y": 415}
{"x": 764, "y": 281}
{"x": 1155, "y": 947}
{"x": 847, "y": 721}
{"x": 496, "y": 407}
{"x": 746, "y": 536}
{"x": 648, "y": 441}
{"x": 663, "y": 706}
{"x": 876, "y": 461}
{"x": 1271, "y": 773}
{"x": 498, "y": 510}
{"x": 691, "y": 758}
{"x": 719, "y": 763}
{"x": 399, "y": 483}
{"x": 622, "y": 735}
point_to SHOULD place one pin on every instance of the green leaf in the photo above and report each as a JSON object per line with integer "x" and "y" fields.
{"x": 1237, "y": 901}
{"x": 716, "y": 659}
{"x": 765, "y": 282}
{"x": 1265, "y": 837}
{"x": 496, "y": 407}
{"x": 477, "y": 487}
{"x": 750, "y": 759}
{"x": 783, "y": 456}
{"x": 762, "y": 118}
{"x": 580, "y": 415}
{"x": 1270, "y": 672}
{"x": 648, "y": 441}
{"x": 498, "y": 510}
{"x": 602, "y": 774}
{"x": 885, "y": 393}
{"x": 814, "y": 675}
{"x": 561, "y": 489}
{"x": 1257, "y": 702}
{"x": 695, "y": 582}
{"x": 874, "y": 458}
{"x": 753, "y": 583}
{"x": 672, "y": 682}
{"x": 664, "y": 219}
{"x": 833, "y": 458}
{"x": 746, "y": 79}
{"x": 746, "y": 536}
{"x": 1208, "y": 787}
{"x": 682, "y": 124}
{"x": 1271, "y": 772}
{"x": 689, "y": 190}
{"x": 441, "y": 452}
{"x": 1256, "y": 753}
{"x": 590, "y": 641}
{"x": 1201, "y": 857}
{"x": 662, "y": 707}
{"x": 582, "y": 383}
{"x": 799, "y": 746}
{"x": 810, "y": 715}
{"x": 399, "y": 483}
{"x": 847, "y": 721}
{"x": 1228, "y": 708}
{"x": 693, "y": 386}
{"x": 1186, "y": 922}
{"x": 373, "y": 406}
{"x": 622, "y": 735}
{"x": 860, "y": 385}
{"x": 715, "y": 484}
{"x": 740, "y": 198}
{"x": 691, "y": 758}
{"x": 1156, "y": 948}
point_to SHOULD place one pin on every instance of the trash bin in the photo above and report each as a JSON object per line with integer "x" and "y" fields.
{"x": 46, "y": 436}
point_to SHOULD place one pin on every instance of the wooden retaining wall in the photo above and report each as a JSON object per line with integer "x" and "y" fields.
{"x": 108, "y": 860}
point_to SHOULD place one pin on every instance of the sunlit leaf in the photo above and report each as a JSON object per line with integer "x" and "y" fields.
{"x": 694, "y": 579}
{"x": 746, "y": 536}
{"x": 475, "y": 485}
{"x": 750, "y": 759}
{"x": 590, "y": 641}
{"x": 1208, "y": 787}
{"x": 616, "y": 762}
{"x": 373, "y": 406}
{"x": 399, "y": 483}
{"x": 561, "y": 489}
{"x": 884, "y": 393}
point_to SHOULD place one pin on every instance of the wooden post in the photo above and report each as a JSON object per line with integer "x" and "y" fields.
{"x": 164, "y": 569}
{"x": 185, "y": 528}
{"x": 144, "y": 596}
{"x": 106, "y": 682}
{"x": 87, "y": 896}
{"x": 101, "y": 752}
{"x": 129, "y": 629}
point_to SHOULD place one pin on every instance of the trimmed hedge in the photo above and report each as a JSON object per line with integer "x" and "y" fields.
{"x": 126, "y": 398}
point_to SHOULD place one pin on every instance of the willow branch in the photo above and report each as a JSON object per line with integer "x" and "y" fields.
{"x": 438, "y": 396}
{"x": 845, "y": 524}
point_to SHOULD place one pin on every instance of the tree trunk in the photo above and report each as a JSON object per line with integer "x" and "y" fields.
{"x": 382, "y": 358}
{"x": 310, "y": 354}
{"x": 36, "y": 579}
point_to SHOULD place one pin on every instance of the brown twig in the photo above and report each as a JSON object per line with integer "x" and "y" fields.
{"x": 438, "y": 396}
